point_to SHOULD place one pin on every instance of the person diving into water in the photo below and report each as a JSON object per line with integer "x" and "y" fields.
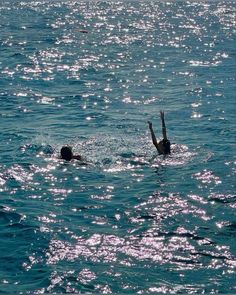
{"x": 163, "y": 146}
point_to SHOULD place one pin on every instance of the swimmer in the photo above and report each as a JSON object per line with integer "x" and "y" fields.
{"x": 67, "y": 154}
{"x": 163, "y": 146}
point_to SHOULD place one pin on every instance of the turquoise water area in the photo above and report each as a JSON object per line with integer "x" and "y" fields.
{"x": 91, "y": 74}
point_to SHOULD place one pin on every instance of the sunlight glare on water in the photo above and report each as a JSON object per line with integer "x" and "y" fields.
{"x": 90, "y": 75}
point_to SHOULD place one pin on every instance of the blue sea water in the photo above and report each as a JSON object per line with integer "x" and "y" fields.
{"x": 91, "y": 74}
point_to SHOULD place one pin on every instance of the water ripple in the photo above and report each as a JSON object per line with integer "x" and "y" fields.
{"x": 90, "y": 75}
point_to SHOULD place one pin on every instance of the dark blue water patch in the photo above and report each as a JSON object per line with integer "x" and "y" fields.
{"x": 20, "y": 231}
{"x": 225, "y": 199}
{"x": 230, "y": 229}
{"x": 76, "y": 82}
{"x": 227, "y": 230}
{"x": 17, "y": 238}
{"x": 34, "y": 149}
{"x": 211, "y": 255}
{"x": 18, "y": 55}
{"x": 9, "y": 217}
{"x": 127, "y": 155}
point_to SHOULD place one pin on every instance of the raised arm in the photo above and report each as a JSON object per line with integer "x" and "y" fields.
{"x": 163, "y": 125}
{"x": 154, "y": 140}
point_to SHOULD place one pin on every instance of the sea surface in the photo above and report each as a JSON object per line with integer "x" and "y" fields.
{"x": 90, "y": 74}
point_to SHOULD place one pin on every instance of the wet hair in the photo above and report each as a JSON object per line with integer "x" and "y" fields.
{"x": 166, "y": 145}
{"x": 66, "y": 153}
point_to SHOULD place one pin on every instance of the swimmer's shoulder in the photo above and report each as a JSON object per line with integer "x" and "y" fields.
{"x": 77, "y": 157}
{"x": 81, "y": 160}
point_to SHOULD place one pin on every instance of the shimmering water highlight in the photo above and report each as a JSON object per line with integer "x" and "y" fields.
{"x": 91, "y": 74}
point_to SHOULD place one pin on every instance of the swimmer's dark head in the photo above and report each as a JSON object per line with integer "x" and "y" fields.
{"x": 166, "y": 145}
{"x": 66, "y": 153}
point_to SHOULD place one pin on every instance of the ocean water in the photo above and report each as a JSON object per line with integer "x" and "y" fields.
{"x": 91, "y": 74}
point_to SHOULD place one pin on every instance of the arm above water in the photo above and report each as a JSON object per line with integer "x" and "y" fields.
{"x": 154, "y": 140}
{"x": 163, "y": 125}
